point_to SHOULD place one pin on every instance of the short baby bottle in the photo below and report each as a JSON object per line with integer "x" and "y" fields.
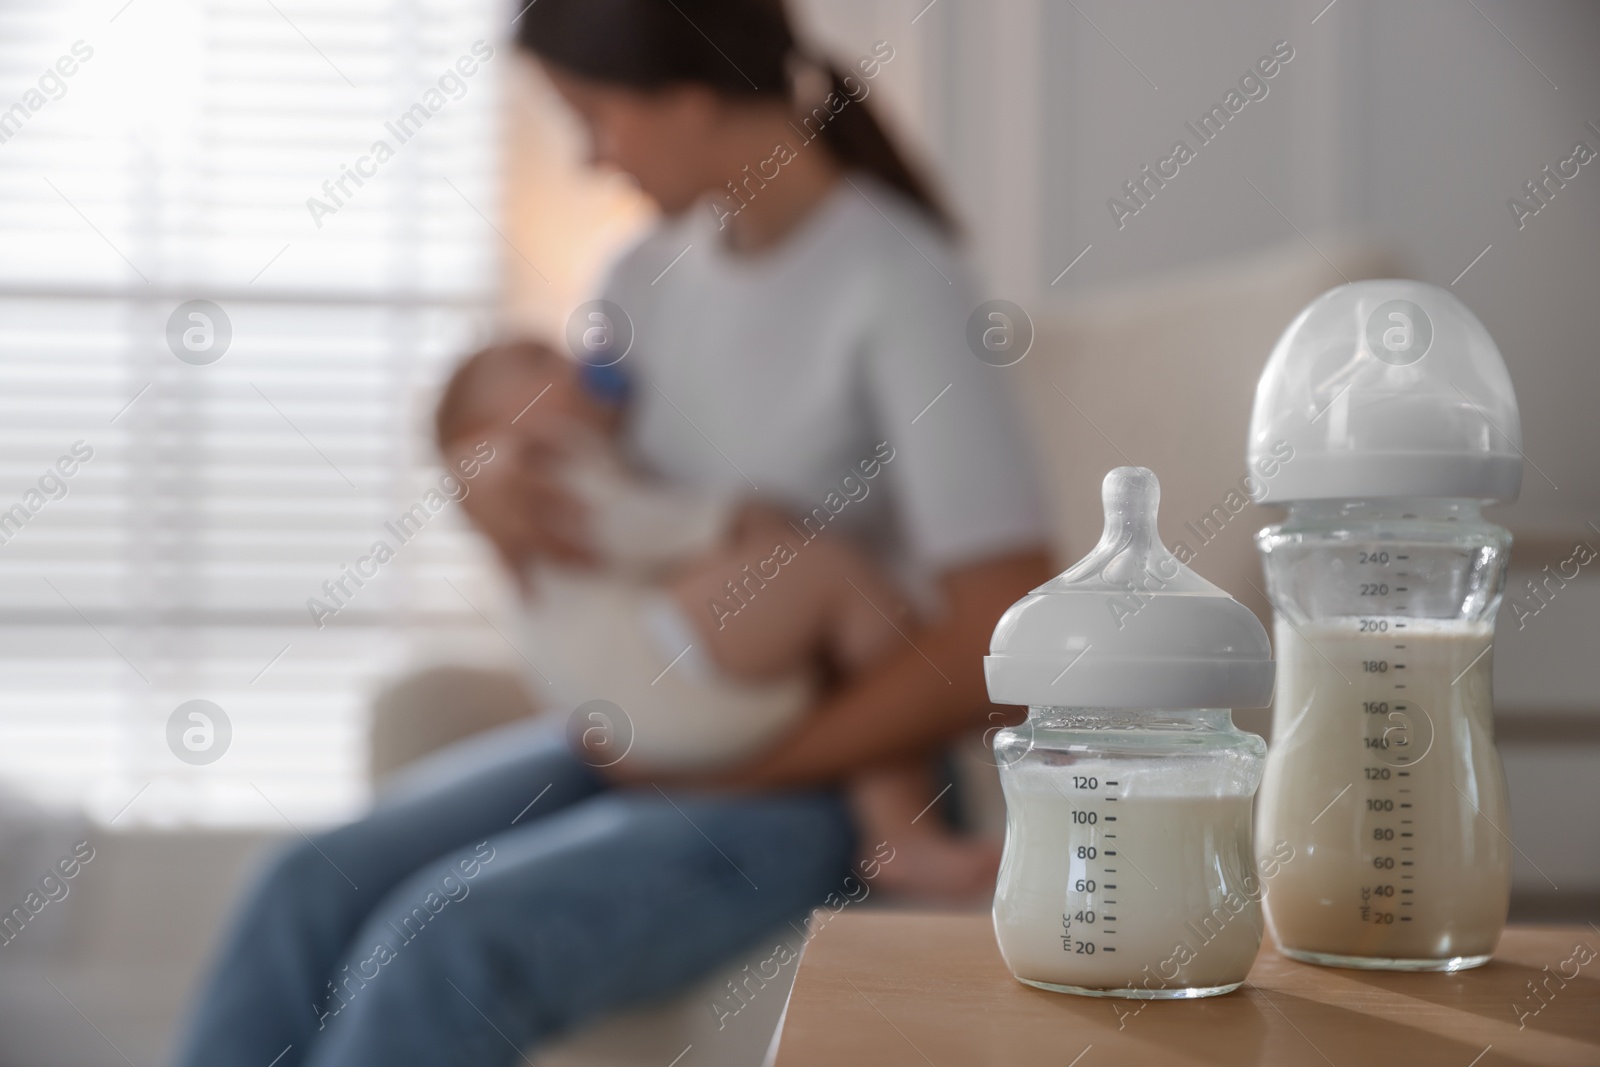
{"x": 1384, "y": 420}
{"x": 1128, "y": 868}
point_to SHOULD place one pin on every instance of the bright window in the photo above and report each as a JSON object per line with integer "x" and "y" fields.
{"x": 165, "y": 153}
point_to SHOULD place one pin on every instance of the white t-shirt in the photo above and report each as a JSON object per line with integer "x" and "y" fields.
{"x": 779, "y": 374}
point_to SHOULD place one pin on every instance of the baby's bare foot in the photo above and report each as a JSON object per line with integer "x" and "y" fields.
{"x": 942, "y": 869}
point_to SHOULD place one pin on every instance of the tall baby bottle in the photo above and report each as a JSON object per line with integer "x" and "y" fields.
{"x": 1128, "y": 868}
{"x": 1384, "y": 420}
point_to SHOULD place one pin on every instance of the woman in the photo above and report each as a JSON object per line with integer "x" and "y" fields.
{"x": 786, "y": 318}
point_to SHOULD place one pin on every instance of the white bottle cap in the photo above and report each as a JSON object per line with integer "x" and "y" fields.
{"x": 1385, "y": 389}
{"x": 1129, "y": 626}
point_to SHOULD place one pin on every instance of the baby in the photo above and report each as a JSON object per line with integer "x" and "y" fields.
{"x": 639, "y": 625}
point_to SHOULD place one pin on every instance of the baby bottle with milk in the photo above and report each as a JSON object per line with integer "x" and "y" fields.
{"x": 1128, "y": 868}
{"x": 1390, "y": 419}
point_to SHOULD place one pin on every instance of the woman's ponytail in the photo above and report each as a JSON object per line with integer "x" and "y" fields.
{"x": 858, "y": 141}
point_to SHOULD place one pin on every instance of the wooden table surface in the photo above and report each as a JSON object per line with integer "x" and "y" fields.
{"x": 891, "y": 989}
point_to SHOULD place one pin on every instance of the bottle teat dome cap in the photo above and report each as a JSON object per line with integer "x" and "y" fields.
{"x": 1385, "y": 389}
{"x": 1130, "y": 626}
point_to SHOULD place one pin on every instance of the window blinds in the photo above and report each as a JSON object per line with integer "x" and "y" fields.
{"x": 166, "y": 512}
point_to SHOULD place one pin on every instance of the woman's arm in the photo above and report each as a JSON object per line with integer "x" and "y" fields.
{"x": 928, "y": 691}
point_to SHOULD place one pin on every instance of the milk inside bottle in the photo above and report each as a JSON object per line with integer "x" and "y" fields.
{"x": 1399, "y": 416}
{"x": 1128, "y": 867}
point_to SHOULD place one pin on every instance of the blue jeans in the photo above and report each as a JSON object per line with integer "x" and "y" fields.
{"x": 513, "y": 898}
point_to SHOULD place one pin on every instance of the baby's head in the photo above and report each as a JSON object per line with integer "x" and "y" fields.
{"x": 528, "y": 402}
{"x": 493, "y": 392}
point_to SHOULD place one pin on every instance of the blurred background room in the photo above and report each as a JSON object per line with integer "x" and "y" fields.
{"x": 224, "y": 319}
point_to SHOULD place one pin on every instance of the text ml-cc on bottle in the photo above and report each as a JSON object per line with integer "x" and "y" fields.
{"x": 1128, "y": 868}
{"x": 1384, "y": 580}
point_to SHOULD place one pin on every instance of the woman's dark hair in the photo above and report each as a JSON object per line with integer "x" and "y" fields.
{"x": 740, "y": 48}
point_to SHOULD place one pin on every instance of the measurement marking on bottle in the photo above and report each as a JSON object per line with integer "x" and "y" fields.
{"x": 1405, "y": 863}
{"x": 1110, "y": 782}
{"x": 1110, "y": 886}
{"x": 1405, "y": 774}
{"x": 1403, "y": 918}
{"x": 1405, "y": 805}
{"x": 1112, "y": 852}
{"x": 1111, "y": 818}
{"x": 1108, "y": 948}
{"x": 1406, "y": 834}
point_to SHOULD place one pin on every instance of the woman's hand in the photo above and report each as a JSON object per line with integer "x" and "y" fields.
{"x": 520, "y": 502}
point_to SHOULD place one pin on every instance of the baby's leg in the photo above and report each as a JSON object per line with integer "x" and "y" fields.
{"x": 895, "y": 804}
{"x": 773, "y": 603}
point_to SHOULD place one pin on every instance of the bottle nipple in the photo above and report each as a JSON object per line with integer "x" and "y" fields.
{"x": 1130, "y": 544}
{"x": 1131, "y": 497}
